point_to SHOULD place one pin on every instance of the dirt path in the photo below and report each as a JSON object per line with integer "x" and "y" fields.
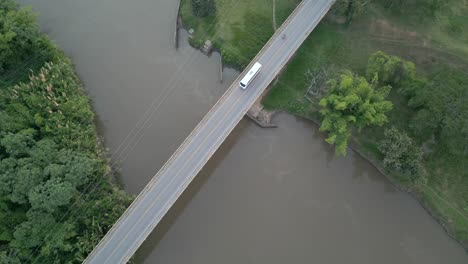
{"x": 385, "y": 32}
{"x": 275, "y": 26}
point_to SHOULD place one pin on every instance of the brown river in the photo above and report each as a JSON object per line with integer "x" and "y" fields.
{"x": 267, "y": 196}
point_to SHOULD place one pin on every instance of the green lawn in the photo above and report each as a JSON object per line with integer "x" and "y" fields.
{"x": 447, "y": 29}
{"x": 239, "y": 28}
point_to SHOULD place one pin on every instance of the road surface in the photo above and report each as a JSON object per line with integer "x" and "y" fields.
{"x": 142, "y": 216}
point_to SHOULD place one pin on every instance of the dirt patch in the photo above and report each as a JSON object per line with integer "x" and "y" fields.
{"x": 424, "y": 55}
{"x": 383, "y": 28}
{"x": 261, "y": 116}
{"x": 340, "y": 20}
{"x": 275, "y": 26}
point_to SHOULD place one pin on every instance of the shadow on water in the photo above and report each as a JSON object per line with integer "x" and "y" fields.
{"x": 318, "y": 137}
{"x": 362, "y": 169}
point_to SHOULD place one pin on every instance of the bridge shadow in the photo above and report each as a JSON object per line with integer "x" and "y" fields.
{"x": 194, "y": 187}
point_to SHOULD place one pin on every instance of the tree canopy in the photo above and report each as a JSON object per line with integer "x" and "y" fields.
{"x": 349, "y": 8}
{"x": 20, "y": 38}
{"x": 390, "y": 70}
{"x": 49, "y": 155}
{"x": 351, "y": 102}
{"x": 441, "y": 109}
{"x": 400, "y": 152}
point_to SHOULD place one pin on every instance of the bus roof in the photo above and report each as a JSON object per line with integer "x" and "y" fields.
{"x": 251, "y": 73}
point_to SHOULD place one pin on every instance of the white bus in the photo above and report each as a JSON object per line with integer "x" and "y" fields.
{"x": 250, "y": 75}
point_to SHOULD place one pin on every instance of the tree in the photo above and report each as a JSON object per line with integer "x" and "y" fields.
{"x": 48, "y": 153}
{"x": 54, "y": 102}
{"x": 8, "y": 257}
{"x": 441, "y": 109}
{"x": 36, "y": 232}
{"x": 410, "y": 87}
{"x": 17, "y": 145}
{"x": 351, "y": 101}
{"x": 390, "y": 70}
{"x": 424, "y": 124}
{"x": 19, "y": 34}
{"x": 203, "y": 8}
{"x": 349, "y": 8}
{"x": 400, "y": 152}
{"x": 51, "y": 195}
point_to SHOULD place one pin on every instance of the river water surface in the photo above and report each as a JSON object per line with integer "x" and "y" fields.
{"x": 267, "y": 196}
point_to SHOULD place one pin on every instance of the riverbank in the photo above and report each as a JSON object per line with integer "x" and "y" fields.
{"x": 443, "y": 179}
{"x": 335, "y": 46}
{"x": 57, "y": 190}
{"x": 360, "y": 150}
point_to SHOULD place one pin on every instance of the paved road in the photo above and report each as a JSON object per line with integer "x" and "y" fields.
{"x": 129, "y": 232}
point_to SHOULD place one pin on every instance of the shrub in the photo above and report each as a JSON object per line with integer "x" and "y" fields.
{"x": 400, "y": 152}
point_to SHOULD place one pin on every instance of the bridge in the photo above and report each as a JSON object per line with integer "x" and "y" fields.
{"x": 150, "y": 206}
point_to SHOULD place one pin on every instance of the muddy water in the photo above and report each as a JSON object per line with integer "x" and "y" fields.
{"x": 148, "y": 96}
{"x": 267, "y": 196}
{"x": 280, "y": 196}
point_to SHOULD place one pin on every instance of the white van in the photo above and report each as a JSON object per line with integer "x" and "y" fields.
{"x": 250, "y": 75}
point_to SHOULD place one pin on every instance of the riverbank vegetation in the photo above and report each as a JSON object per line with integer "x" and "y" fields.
{"x": 56, "y": 198}
{"x": 238, "y": 29}
{"x": 418, "y": 49}
{"x": 351, "y": 101}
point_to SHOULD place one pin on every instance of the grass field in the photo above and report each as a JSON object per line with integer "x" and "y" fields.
{"x": 239, "y": 28}
{"x": 446, "y": 29}
{"x": 441, "y": 41}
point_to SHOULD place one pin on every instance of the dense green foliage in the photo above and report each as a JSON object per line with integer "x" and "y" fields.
{"x": 349, "y": 8}
{"x": 20, "y": 39}
{"x": 441, "y": 109}
{"x": 351, "y": 101}
{"x": 390, "y": 70}
{"x": 18, "y": 35}
{"x": 55, "y": 203}
{"x": 400, "y": 152}
{"x": 203, "y": 8}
